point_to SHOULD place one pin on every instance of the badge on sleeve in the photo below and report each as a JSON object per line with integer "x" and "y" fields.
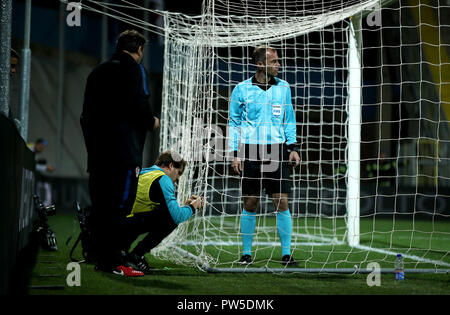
{"x": 276, "y": 110}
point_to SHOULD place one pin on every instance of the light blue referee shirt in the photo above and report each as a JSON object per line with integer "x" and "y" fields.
{"x": 259, "y": 116}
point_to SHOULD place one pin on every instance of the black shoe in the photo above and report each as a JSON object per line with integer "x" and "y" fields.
{"x": 139, "y": 263}
{"x": 245, "y": 260}
{"x": 289, "y": 261}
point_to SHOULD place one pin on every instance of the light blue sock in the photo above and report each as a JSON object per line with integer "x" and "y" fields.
{"x": 284, "y": 227}
{"x": 248, "y": 222}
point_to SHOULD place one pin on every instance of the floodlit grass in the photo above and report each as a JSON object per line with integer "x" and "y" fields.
{"x": 422, "y": 242}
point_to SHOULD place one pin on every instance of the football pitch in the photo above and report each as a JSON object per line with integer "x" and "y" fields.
{"x": 424, "y": 244}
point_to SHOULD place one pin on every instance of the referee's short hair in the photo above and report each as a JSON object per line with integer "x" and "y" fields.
{"x": 167, "y": 157}
{"x": 130, "y": 40}
{"x": 259, "y": 54}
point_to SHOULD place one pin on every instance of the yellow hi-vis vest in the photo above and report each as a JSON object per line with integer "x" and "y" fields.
{"x": 143, "y": 202}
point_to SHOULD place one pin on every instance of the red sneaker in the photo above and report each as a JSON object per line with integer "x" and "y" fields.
{"x": 127, "y": 272}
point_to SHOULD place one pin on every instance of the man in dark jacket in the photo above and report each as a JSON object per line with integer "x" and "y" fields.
{"x": 115, "y": 119}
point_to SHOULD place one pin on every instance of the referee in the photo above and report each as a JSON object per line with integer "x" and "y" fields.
{"x": 262, "y": 131}
{"x": 115, "y": 119}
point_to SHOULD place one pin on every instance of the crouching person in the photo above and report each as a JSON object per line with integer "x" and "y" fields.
{"x": 156, "y": 210}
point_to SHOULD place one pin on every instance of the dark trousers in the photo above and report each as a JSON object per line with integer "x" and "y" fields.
{"x": 158, "y": 224}
{"x": 112, "y": 192}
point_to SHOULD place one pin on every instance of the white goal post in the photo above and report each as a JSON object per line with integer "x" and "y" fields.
{"x": 354, "y": 134}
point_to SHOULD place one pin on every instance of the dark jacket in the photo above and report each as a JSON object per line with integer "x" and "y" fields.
{"x": 116, "y": 113}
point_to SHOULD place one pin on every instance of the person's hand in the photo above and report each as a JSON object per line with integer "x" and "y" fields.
{"x": 156, "y": 125}
{"x": 293, "y": 156}
{"x": 197, "y": 202}
{"x": 236, "y": 165}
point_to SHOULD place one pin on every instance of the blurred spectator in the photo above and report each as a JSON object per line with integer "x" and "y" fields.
{"x": 43, "y": 187}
